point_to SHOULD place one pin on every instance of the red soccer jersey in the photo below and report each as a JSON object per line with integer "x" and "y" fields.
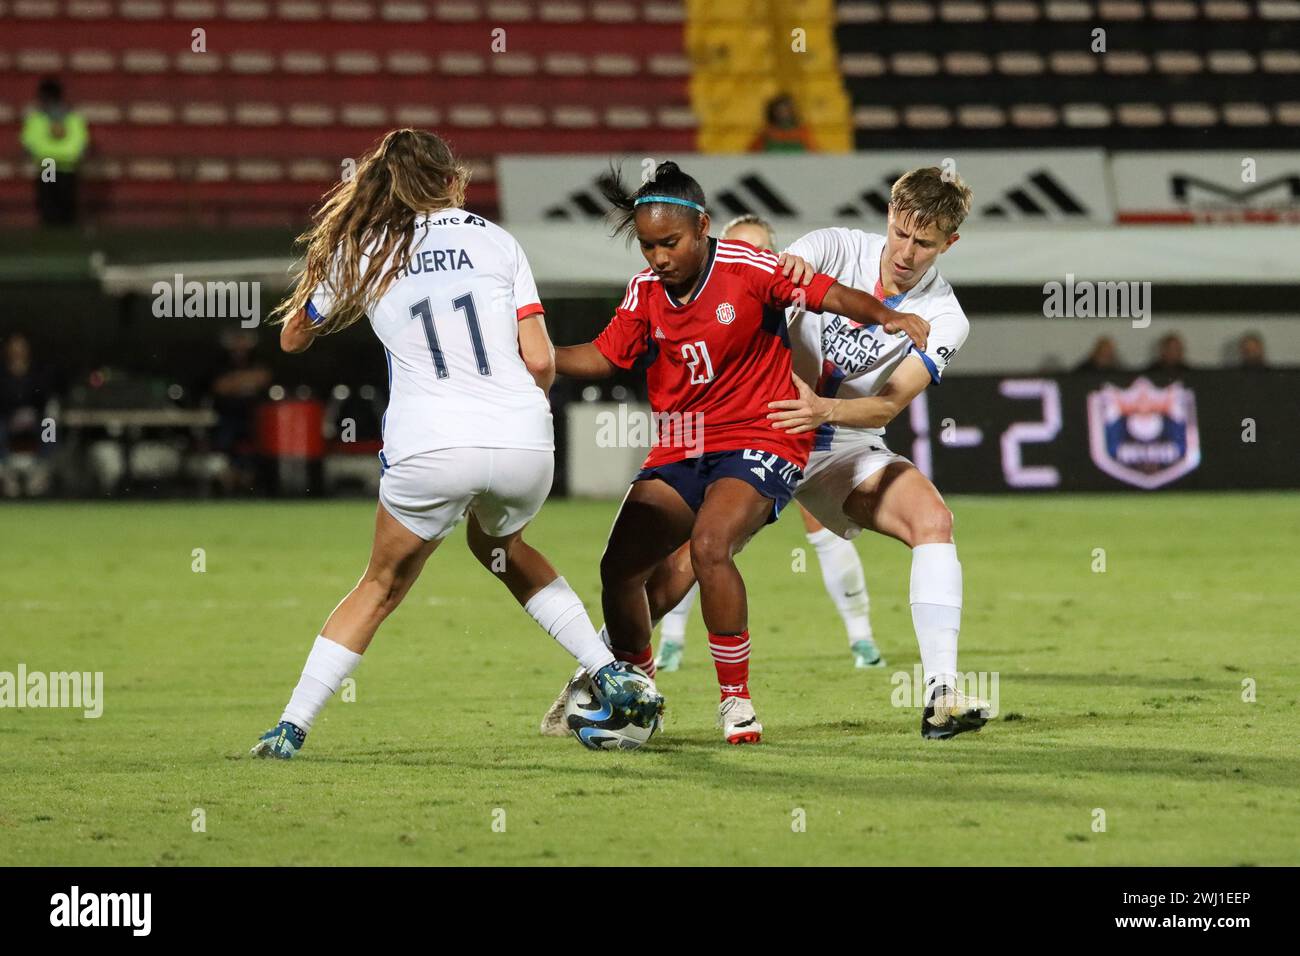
{"x": 714, "y": 363}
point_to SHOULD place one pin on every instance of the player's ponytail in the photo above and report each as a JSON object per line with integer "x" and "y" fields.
{"x": 667, "y": 181}
{"x": 373, "y": 212}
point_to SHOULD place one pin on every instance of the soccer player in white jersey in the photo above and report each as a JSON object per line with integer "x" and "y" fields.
{"x": 468, "y": 429}
{"x": 841, "y": 568}
{"x": 855, "y": 380}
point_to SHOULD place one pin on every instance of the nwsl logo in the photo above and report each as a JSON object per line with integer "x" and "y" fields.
{"x": 1143, "y": 435}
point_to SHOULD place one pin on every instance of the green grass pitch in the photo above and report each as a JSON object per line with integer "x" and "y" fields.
{"x": 1119, "y": 691}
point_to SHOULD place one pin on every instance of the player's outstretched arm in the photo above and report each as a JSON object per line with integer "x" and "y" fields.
{"x": 297, "y": 333}
{"x": 810, "y": 411}
{"x": 867, "y": 309}
{"x": 583, "y": 361}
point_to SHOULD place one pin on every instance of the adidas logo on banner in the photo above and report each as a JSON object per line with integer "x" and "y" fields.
{"x": 1041, "y": 196}
{"x": 587, "y": 203}
{"x": 766, "y": 200}
{"x": 751, "y": 194}
{"x": 1050, "y": 198}
{"x": 876, "y": 200}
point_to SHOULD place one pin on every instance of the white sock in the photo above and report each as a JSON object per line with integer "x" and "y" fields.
{"x": 673, "y": 626}
{"x": 327, "y": 665}
{"x": 560, "y": 613}
{"x": 846, "y": 584}
{"x": 936, "y": 611}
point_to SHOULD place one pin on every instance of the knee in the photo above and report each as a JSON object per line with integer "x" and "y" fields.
{"x": 933, "y": 525}
{"x": 709, "y": 550}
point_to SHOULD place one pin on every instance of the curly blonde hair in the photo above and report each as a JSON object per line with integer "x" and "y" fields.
{"x": 409, "y": 173}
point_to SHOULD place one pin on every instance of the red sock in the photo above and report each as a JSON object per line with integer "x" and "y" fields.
{"x": 644, "y": 659}
{"x": 731, "y": 659}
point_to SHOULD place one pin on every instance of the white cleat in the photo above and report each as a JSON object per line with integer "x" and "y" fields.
{"x": 738, "y": 722}
{"x": 951, "y": 712}
{"x": 553, "y": 724}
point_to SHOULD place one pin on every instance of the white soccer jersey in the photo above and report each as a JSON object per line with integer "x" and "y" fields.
{"x": 840, "y": 358}
{"x": 450, "y": 328}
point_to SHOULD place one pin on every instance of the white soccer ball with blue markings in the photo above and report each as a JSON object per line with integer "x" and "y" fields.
{"x": 593, "y": 721}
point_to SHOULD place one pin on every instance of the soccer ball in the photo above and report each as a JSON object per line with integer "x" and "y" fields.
{"x": 595, "y": 724}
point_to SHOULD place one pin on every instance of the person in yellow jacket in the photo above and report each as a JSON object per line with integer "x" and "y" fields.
{"x": 55, "y": 137}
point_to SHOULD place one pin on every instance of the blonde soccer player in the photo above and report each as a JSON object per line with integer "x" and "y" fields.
{"x": 857, "y": 379}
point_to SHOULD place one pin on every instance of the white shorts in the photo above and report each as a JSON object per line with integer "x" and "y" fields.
{"x": 504, "y": 487}
{"x": 832, "y": 475}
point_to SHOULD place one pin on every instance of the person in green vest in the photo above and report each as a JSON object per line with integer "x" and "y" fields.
{"x": 55, "y": 137}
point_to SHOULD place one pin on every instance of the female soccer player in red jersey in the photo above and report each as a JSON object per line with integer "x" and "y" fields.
{"x": 706, "y": 321}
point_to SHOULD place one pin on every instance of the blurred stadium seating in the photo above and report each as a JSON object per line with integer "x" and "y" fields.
{"x": 1177, "y": 74}
{"x": 252, "y": 131}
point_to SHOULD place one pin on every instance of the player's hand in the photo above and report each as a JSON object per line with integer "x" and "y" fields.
{"x": 798, "y": 270}
{"x": 806, "y": 413}
{"x": 917, "y": 329}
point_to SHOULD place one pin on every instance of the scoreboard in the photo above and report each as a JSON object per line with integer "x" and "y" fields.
{"x": 1091, "y": 432}
{"x": 1030, "y": 433}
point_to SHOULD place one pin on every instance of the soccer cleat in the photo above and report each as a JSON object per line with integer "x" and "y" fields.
{"x": 282, "y": 741}
{"x": 670, "y": 656}
{"x": 950, "y": 713}
{"x": 630, "y": 692}
{"x": 738, "y": 722}
{"x": 866, "y": 654}
{"x": 554, "y": 724}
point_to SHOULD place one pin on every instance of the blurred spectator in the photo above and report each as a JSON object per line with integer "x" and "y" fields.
{"x": 52, "y": 130}
{"x": 25, "y": 391}
{"x": 1102, "y": 358}
{"x": 1170, "y": 354}
{"x": 784, "y": 133}
{"x": 238, "y": 385}
{"x": 1250, "y": 352}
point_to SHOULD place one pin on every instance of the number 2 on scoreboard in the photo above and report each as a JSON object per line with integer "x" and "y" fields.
{"x": 695, "y": 354}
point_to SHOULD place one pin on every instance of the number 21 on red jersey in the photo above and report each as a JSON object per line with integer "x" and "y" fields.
{"x": 696, "y": 355}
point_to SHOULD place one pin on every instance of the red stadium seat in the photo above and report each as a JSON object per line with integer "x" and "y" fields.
{"x": 250, "y": 127}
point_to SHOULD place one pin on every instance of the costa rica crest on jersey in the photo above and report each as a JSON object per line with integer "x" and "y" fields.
{"x": 726, "y": 313}
{"x": 1143, "y": 435}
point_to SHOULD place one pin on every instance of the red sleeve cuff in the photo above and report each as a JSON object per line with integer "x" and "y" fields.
{"x": 527, "y": 310}
{"x": 816, "y": 290}
{"x": 604, "y": 348}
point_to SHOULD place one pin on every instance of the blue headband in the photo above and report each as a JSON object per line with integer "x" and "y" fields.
{"x": 672, "y": 199}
